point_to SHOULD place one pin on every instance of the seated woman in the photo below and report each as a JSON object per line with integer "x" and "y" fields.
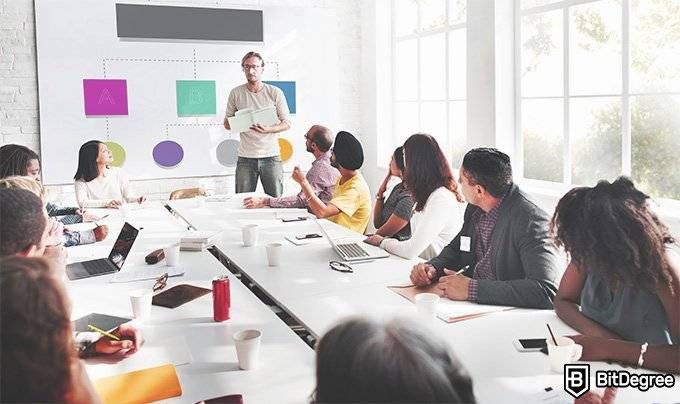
{"x": 17, "y": 160}
{"x": 438, "y": 204}
{"x": 620, "y": 289}
{"x": 39, "y": 362}
{"x": 391, "y": 216}
{"x": 98, "y": 185}
{"x": 364, "y": 361}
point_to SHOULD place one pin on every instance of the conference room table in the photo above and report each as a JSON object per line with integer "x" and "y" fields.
{"x": 306, "y": 288}
{"x": 202, "y": 350}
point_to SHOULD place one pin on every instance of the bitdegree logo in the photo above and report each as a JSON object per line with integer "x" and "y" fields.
{"x": 577, "y": 379}
{"x": 642, "y": 382}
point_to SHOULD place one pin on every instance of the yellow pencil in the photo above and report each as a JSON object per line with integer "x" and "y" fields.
{"x": 102, "y": 332}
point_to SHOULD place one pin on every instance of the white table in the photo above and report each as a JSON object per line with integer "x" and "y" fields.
{"x": 286, "y": 367}
{"x": 318, "y": 297}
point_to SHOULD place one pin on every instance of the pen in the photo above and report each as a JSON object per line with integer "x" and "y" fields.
{"x": 102, "y": 332}
{"x": 462, "y": 269}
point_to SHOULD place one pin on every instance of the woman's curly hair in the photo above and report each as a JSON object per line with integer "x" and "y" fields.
{"x": 610, "y": 230}
{"x": 37, "y": 341}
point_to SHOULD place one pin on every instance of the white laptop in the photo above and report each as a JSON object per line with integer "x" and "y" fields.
{"x": 351, "y": 250}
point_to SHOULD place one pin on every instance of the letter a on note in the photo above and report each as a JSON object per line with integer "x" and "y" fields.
{"x": 105, "y": 97}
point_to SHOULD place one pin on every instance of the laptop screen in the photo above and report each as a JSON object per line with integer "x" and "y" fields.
{"x": 123, "y": 245}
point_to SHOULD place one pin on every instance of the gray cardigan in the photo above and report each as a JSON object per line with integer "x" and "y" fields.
{"x": 523, "y": 257}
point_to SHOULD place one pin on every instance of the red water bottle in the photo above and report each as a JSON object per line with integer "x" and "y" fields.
{"x": 221, "y": 298}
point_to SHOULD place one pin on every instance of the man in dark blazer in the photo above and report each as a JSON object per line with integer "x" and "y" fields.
{"x": 504, "y": 245}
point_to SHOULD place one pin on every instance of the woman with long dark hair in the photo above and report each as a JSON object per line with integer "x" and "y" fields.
{"x": 438, "y": 204}
{"x": 98, "y": 185}
{"x": 391, "y": 216}
{"x": 39, "y": 362}
{"x": 620, "y": 289}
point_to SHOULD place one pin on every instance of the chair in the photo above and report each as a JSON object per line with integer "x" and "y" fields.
{"x": 187, "y": 193}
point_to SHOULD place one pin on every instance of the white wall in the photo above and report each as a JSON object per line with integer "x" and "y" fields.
{"x": 19, "y": 93}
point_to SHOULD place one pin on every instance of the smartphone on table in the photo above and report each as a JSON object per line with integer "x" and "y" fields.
{"x": 530, "y": 344}
{"x": 307, "y": 236}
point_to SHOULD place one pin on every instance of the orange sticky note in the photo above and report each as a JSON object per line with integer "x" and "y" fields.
{"x": 141, "y": 386}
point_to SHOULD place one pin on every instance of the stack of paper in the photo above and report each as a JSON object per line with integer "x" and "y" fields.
{"x": 245, "y": 118}
{"x": 197, "y": 240}
{"x": 448, "y": 310}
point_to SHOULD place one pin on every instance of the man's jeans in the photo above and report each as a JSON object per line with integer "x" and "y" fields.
{"x": 269, "y": 169}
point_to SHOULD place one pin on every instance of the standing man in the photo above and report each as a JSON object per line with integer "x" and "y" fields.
{"x": 322, "y": 175}
{"x": 258, "y": 151}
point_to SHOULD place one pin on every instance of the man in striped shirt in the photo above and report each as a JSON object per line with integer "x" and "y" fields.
{"x": 322, "y": 176}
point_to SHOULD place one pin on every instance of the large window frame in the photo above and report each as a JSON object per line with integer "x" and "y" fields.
{"x": 448, "y": 29}
{"x": 625, "y": 95}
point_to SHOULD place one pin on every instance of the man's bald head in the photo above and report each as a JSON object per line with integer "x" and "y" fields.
{"x": 321, "y": 136}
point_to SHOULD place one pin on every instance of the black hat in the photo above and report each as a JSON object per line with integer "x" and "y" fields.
{"x": 348, "y": 151}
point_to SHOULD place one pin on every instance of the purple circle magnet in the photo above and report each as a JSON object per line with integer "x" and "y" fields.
{"x": 168, "y": 154}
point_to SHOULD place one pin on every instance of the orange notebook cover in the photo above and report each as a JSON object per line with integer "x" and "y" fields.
{"x": 141, "y": 386}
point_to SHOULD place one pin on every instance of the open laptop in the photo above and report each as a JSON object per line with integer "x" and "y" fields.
{"x": 113, "y": 263}
{"x": 351, "y": 250}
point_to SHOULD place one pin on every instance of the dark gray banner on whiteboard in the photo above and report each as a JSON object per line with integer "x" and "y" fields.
{"x": 198, "y": 23}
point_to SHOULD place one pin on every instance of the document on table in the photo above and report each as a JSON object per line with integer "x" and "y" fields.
{"x": 146, "y": 273}
{"x": 244, "y": 119}
{"x": 450, "y": 311}
{"x": 154, "y": 352}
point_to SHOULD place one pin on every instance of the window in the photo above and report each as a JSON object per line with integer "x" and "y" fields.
{"x": 598, "y": 92}
{"x": 429, "y": 71}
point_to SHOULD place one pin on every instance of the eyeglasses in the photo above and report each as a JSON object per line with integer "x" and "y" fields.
{"x": 340, "y": 267}
{"x": 248, "y": 67}
{"x": 160, "y": 282}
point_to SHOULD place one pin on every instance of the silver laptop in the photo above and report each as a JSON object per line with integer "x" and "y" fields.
{"x": 350, "y": 250}
{"x": 113, "y": 263}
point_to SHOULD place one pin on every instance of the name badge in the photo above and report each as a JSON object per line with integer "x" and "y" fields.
{"x": 465, "y": 243}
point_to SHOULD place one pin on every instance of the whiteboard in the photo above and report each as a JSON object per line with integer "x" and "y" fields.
{"x": 76, "y": 40}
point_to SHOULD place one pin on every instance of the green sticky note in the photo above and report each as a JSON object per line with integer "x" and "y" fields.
{"x": 196, "y": 97}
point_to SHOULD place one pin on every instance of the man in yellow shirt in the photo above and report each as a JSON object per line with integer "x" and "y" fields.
{"x": 350, "y": 205}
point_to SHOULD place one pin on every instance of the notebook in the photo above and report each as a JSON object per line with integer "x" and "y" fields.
{"x": 450, "y": 311}
{"x": 178, "y": 295}
{"x": 141, "y": 386}
{"x": 103, "y": 321}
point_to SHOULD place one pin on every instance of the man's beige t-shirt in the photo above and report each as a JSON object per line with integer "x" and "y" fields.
{"x": 254, "y": 144}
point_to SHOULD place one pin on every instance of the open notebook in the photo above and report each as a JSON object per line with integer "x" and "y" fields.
{"x": 448, "y": 310}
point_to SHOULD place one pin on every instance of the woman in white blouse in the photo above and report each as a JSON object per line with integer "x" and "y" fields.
{"x": 97, "y": 184}
{"x": 439, "y": 206}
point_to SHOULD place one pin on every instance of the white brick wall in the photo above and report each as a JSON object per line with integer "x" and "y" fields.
{"x": 19, "y": 121}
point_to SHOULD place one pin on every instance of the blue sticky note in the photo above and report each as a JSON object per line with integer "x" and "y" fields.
{"x": 288, "y": 88}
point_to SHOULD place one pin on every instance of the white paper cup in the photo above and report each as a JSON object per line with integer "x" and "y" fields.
{"x": 566, "y": 351}
{"x": 250, "y": 235}
{"x": 141, "y": 303}
{"x": 247, "y": 344}
{"x": 426, "y": 303}
{"x": 171, "y": 253}
{"x": 274, "y": 254}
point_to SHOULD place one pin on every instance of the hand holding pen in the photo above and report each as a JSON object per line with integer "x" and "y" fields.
{"x": 126, "y": 339}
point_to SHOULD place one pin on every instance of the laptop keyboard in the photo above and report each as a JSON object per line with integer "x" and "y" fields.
{"x": 98, "y": 267}
{"x": 352, "y": 250}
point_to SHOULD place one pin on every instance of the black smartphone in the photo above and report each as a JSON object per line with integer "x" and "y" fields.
{"x": 306, "y": 236}
{"x": 530, "y": 345}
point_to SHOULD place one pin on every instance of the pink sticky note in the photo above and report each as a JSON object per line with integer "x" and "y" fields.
{"x": 105, "y": 97}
